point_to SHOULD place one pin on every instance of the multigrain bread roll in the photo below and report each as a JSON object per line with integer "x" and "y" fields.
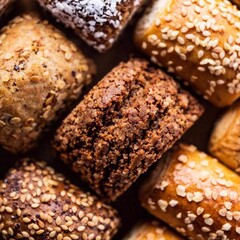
{"x": 4, "y": 6}
{"x": 225, "y": 139}
{"x": 152, "y": 230}
{"x": 41, "y": 72}
{"x": 38, "y": 203}
{"x": 195, "y": 194}
{"x": 99, "y": 23}
{"x": 198, "y": 41}
{"x": 125, "y": 123}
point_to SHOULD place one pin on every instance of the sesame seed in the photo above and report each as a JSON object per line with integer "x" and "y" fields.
{"x": 163, "y": 205}
{"x": 226, "y": 227}
{"x": 181, "y": 191}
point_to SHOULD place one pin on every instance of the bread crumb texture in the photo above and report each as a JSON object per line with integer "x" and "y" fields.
{"x": 125, "y": 123}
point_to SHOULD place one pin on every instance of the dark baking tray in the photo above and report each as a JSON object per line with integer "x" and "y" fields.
{"x": 128, "y": 205}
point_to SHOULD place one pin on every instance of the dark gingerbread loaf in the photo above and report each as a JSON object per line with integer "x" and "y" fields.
{"x": 38, "y": 204}
{"x": 124, "y": 124}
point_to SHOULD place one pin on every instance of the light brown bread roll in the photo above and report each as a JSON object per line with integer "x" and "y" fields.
{"x": 36, "y": 203}
{"x": 195, "y": 194}
{"x": 225, "y": 139}
{"x": 198, "y": 41}
{"x": 152, "y": 230}
{"x": 41, "y": 72}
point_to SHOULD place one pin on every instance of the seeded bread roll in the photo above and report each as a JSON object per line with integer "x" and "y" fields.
{"x": 225, "y": 139}
{"x": 198, "y": 41}
{"x": 37, "y": 203}
{"x": 123, "y": 125}
{"x": 99, "y": 23}
{"x": 41, "y": 73}
{"x": 152, "y": 230}
{"x": 195, "y": 194}
{"x": 4, "y": 6}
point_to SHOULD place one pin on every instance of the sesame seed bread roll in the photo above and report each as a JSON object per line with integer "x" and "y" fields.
{"x": 41, "y": 73}
{"x": 123, "y": 125}
{"x": 195, "y": 194}
{"x": 4, "y": 6}
{"x": 36, "y": 203}
{"x": 152, "y": 230}
{"x": 225, "y": 140}
{"x": 198, "y": 41}
{"x": 99, "y": 23}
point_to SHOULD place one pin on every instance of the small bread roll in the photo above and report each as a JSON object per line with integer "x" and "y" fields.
{"x": 152, "y": 230}
{"x": 225, "y": 139}
{"x": 99, "y": 23}
{"x": 41, "y": 72}
{"x": 123, "y": 125}
{"x": 4, "y": 6}
{"x": 36, "y": 203}
{"x": 198, "y": 41}
{"x": 195, "y": 194}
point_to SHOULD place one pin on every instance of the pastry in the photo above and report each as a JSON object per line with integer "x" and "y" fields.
{"x": 123, "y": 125}
{"x": 225, "y": 139}
{"x": 152, "y": 230}
{"x": 198, "y": 41}
{"x": 99, "y": 23}
{"x": 195, "y": 194}
{"x": 41, "y": 73}
{"x": 38, "y": 203}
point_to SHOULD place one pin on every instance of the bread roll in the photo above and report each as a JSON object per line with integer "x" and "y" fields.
{"x": 41, "y": 73}
{"x": 195, "y": 194}
{"x": 36, "y": 203}
{"x": 123, "y": 125}
{"x": 152, "y": 230}
{"x": 198, "y": 41}
{"x": 225, "y": 139}
{"x": 99, "y": 23}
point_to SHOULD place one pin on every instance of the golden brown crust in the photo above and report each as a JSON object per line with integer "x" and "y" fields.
{"x": 196, "y": 195}
{"x": 199, "y": 42}
{"x": 38, "y": 204}
{"x": 41, "y": 72}
{"x": 225, "y": 139}
{"x": 152, "y": 230}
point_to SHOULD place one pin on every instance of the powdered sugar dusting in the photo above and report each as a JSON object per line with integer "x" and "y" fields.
{"x": 93, "y": 19}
